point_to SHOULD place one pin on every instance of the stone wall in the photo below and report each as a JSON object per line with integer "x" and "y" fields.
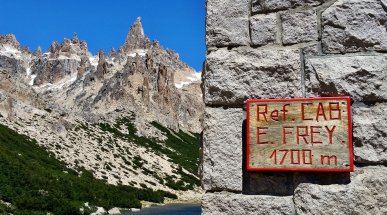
{"x": 287, "y": 49}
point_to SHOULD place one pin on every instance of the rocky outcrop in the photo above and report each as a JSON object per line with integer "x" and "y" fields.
{"x": 136, "y": 38}
{"x": 112, "y": 53}
{"x": 100, "y": 112}
{"x": 102, "y": 69}
{"x": 114, "y": 211}
{"x": 38, "y": 53}
{"x": 9, "y": 39}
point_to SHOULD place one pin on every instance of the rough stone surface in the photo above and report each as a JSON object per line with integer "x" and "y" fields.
{"x": 299, "y": 27}
{"x": 235, "y": 75}
{"x": 370, "y": 133}
{"x": 259, "y": 6}
{"x": 365, "y": 194}
{"x": 263, "y": 29}
{"x": 298, "y": 48}
{"x": 227, "y": 22}
{"x": 312, "y": 50}
{"x": 114, "y": 211}
{"x": 100, "y": 211}
{"x": 226, "y": 203}
{"x": 364, "y": 78}
{"x": 268, "y": 183}
{"x": 12, "y": 66}
{"x": 355, "y": 25}
{"x": 222, "y": 149}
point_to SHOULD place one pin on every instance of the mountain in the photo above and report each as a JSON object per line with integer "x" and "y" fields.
{"x": 131, "y": 117}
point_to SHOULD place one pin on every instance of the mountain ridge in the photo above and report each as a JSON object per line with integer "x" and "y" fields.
{"x": 89, "y": 110}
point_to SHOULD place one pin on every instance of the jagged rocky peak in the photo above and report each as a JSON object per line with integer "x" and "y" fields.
{"x": 9, "y": 39}
{"x": 69, "y": 48}
{"x": 102, "y": 69}
{"x": 53, "y": 47}
{"x": 61, "y": 65}
{"x": 167, "y": 56}
{"x": 10, "y": 47}
{"x": 38, "y": 52}
{"x": 13, "y": 57}
{"x": 75, "y": 38}
{"x": 136, "y": 39}
{"x": 101, "y": 56}
{"x": 112, "y": 53}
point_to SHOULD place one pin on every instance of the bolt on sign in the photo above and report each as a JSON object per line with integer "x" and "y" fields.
{"x": 301, "y": 134}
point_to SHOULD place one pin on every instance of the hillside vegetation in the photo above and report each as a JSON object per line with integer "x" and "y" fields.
{"x": 181, "y": 147}
{"x": 34, "y": 182}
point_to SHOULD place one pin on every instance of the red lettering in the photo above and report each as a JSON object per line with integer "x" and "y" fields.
{"x": 330, "y": 133}
{"x": 312, "y": 132}
{"x": 295, "y": 156}
{"x": 274, "y": 115}
{"x": 328, "y": 158}
{"x": 283, "y": 158}
{"x": 284, "y": 111}
{"x": 305, "y": 134}
{"x": 263, "y": 113}
{"x": 261, "y": 133}
{"x": 304, "y": 156}
{"x": 320, "y": 112}
{"x": 284, "y": 133}
{"x": 303, "y": 111}
{"x": 334, "y": 109}
{"x": 292, "y": 156}
{"x": 274, "y": 155}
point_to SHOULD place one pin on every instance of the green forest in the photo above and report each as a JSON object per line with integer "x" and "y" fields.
{"x": 34, "y": 182}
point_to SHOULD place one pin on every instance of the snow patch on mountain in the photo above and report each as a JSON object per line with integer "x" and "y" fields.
{"x": 57, "y": 86}
{"x": 10, "y": 51}
{"x": 187, "y": 79}
{"x": 141, "y": 52}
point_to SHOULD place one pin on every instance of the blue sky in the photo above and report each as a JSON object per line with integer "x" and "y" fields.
{"x": 177, "y": 24}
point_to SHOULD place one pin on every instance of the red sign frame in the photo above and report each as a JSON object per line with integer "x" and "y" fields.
{"x": 351, "y": 161}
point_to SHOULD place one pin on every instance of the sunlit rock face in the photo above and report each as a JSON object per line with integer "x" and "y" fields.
{"x": 96, "y": 109}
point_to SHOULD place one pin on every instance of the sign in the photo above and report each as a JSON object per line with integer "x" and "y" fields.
{"x": 301, "y": 134}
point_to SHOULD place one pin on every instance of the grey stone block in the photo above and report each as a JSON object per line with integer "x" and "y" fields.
{"x": 222, "y": 149}
{"x": 312, "y": 50}
{"x": 238, "y": 204}
{"x": 370, "y": 133}
{"x": 227, "y": 22}
{"x": 234, "y": 75}
{"x": 299, "y": 27}
{"x": 365, "y": 194}
{"x": 355, "y": 25}
{"x": 263, "y": 29}
{"x": 268, "y": 183}
{"x": 363, "y": 78}
{"x": 260, "y": 6}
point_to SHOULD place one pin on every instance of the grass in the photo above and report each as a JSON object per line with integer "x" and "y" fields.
{"x": 34, "y": 182}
